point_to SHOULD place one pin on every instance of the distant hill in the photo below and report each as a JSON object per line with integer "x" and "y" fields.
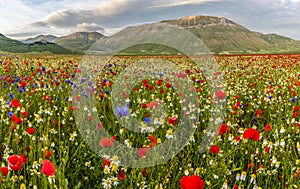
{"x": 222, "y": 35}
{"x": 49, "y": 38}
{"x": 10, "y": 45}
{"x": 81, "y": 41}
{"x": 219, "y": 34}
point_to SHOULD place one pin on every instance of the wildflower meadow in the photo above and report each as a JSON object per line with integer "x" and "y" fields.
{"x": 62, "y": 129}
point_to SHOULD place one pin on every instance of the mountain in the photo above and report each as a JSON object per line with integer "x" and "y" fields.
{"x": 49, "y": 38}
{"x": 10, "y": 45}
{"x": 81, "y": 41}
{"x": 218, "y": 34}
{"x": 222, "y": 35}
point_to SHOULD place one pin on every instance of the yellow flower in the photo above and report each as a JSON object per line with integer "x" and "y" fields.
{"x": 22, "y": 186}
{"x": 115, "y": 167}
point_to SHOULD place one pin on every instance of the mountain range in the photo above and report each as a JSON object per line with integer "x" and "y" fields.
{"x": 219, "y": 34}
{"x": 43, "y": 46}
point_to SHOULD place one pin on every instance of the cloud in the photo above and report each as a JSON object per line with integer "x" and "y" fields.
{"x": 180, "y": 3}
{"x": 21, "y": 35}
{"x": 85, "y": 27}
{"x": 39, "y": 24}
{"x": 61, "y": 17}
{"x": 117, "y": 13}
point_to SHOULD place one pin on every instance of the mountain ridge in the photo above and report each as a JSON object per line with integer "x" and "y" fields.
{"x": 222, "y": 35}
{"x": 41, "y": 37}
{"x": 81, "y": 41}
{"x": 10, "y": 45}
{"x": 219, "y": 34}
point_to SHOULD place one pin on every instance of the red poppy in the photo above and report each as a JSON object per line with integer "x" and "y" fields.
{"x": 23, "y": 83}
{"x": 252, "y": 134}
{"x": 24, "y": 158}
{"x": 267, "y": 127}
{"x": 4, "y": 170}
{"x": 101, "y": 95}
{"x": 153, "y": 105}
{"x": 251, "y": 164}
{"x": 121, "y": 175}
{"x": 106, "y": 143}
{"x": 15, "y": 103}
{"x": 223, "y": 129}
{"x": 159, "y": 82}
{"x": 16, "y": 119}
{"x": 100, "y": 125}
{"x": 114, "y": 138}
{"x": 144, "y": 105}
{"x": 172, "y": 120}
{"x": 47, "y": 154}
{"x": 191, "y": 182}
{"x": 15, "y": 162}
{"x": 267, "y": 149}
{"x": 220, "y": 95}
{"x": 237, "y": 138}
{"x": 27, "y": 148}
{"x": 24, "y": 114}
{"x": 142, "y": 152}
{"x": 106, "y": 163}
{"x": 30, "y": 130}
{"x": 214, "y": 149}
{"x": 296, "y": 108}
{"x": 152, "y": 138}
{"x": 168, "y": 85}
{"x": 48, "y": 168}
{"x": 259, "y": 112}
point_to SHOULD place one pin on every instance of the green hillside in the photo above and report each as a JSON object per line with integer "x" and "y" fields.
{"x": 80, "y": 41}
{"x": 222, "y": 35}
{"x": 10, "y": 45}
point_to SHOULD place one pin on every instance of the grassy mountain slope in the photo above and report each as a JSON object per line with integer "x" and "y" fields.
{"x": 10, "y": 45}
{"x": 49, "y": 38}
{"x": 221, "y": 35}
{"x": 81, "y": 41}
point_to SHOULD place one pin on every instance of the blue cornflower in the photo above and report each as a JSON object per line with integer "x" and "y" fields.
{"x": 10, "y": 114}
{"x": 11, "y": 95}
{"x": 122, "y": 111}
{"x": 147, "y": 119}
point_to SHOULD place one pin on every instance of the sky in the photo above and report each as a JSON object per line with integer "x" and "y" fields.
{"x": 21, "y": 19}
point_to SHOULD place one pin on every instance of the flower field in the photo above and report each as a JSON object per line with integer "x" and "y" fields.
{"x": 48, "y": 140}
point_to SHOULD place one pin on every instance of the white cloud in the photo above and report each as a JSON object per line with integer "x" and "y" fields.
{"x": 60, "y": 17}
{"x": 180, "y": 3}
{"x": 86, "y": 27}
